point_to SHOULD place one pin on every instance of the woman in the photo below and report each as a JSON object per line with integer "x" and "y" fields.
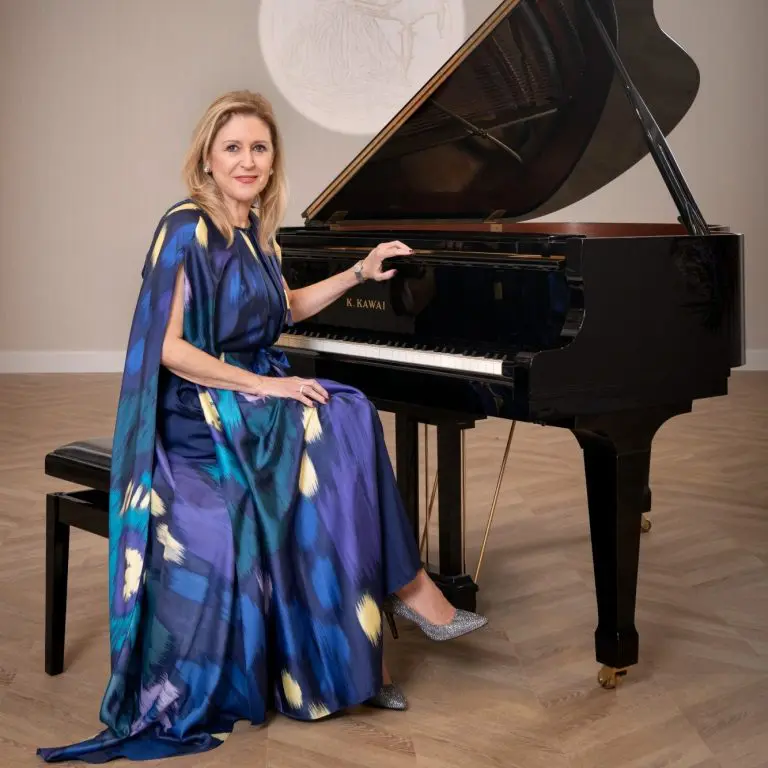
{"x": 255, "y": 526}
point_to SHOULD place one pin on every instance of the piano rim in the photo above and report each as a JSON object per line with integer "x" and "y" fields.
{"x": 594, "y": 229}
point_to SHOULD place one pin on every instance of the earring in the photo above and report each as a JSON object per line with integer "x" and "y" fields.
{"x": 206, "y": 169}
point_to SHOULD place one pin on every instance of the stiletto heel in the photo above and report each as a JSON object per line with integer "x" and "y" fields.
{"x": 462, "y": 623}
{"x": 392, "y": 625}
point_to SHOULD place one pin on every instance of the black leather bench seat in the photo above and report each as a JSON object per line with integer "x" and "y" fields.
{"x": 86, "y": 463}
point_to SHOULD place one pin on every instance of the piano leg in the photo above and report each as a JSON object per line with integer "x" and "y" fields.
{"x": 645, "y": 524}
{"x": 457, "y": 586}
{"x": 617, "y": 451}
{"x": 407, "y": 466}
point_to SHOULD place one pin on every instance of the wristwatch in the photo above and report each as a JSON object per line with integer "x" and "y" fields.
{"x": 358, "y": 270}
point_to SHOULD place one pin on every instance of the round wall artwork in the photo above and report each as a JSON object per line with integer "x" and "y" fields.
{"x": 349, "y": 65}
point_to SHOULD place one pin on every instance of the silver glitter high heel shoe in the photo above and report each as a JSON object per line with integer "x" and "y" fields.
{"x": 389, "y": 697}
{"x": 461, "y": 624}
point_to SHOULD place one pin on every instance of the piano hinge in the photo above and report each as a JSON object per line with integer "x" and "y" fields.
{"x": 492, "y": 220}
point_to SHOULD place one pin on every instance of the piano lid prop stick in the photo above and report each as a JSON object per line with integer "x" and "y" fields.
{"x": 425, "y": 534}
{"x": 678, "y": 188}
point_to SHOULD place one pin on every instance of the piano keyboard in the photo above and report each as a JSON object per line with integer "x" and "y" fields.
{"x": 391, "y": 354}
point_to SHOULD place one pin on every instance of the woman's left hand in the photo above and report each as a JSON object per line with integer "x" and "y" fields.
{"x": 372, "y": 263}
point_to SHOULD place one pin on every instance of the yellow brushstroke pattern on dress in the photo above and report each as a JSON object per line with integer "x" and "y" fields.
{"x": 249, "y": 244}
{"x": 209, "y": 411}
{"x": 173, "y": 550}
{"x": 156, "y": 505}
{"x": 136, "y": 498}
{"x": 279, "y": 254}
{"x": 292, "y": 691}
{"x": 184, "y": 207}
{"x": 132, "y": 576}
{"x": 158, "y": 246}
{"x": 313, "y": 430}
{"x": 308, "y": 484}
{"x": 316, "y": 711}
{"x": 201, "y": 233}
{"x": 369, "y": 616}
{"x": 126, "y": 497}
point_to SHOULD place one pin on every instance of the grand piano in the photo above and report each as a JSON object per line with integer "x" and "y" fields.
{"x": 605, "y": 329}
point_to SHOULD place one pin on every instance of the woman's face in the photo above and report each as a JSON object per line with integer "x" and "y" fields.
{"x": 241, "y": 158}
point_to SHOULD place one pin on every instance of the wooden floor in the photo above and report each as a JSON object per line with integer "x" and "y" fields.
{"x": 523, "y": 691}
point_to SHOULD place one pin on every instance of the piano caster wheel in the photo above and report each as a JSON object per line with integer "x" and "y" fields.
{"x": 609, "y": 677}
{"x": 645, "y": 524}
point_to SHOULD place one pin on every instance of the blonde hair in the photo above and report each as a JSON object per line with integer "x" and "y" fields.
{"x": 203, "y": 190}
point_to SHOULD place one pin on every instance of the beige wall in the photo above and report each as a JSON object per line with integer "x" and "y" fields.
{"x": 98, "y": 99}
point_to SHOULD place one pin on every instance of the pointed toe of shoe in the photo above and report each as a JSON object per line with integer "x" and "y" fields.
{"x": 389, "y": 697}
{"x": 463, "y": 623}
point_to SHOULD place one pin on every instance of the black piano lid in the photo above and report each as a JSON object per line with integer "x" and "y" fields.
{"x": 525, "y": 119}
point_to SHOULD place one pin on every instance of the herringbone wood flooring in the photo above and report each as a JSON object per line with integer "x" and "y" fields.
{"x": 522, "y": 692}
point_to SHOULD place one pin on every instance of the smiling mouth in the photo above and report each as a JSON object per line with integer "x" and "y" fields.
{"x": 246, "y": 179}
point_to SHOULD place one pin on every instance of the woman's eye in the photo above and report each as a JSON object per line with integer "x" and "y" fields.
{"x": 232, "y": 148}
{"x": 260, "y": 148}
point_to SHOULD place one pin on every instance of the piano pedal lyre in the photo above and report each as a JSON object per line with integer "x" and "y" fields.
{"x": 429, "y": 499}
{"x": 495, "y": 499}
{"x": 425, "y": 533}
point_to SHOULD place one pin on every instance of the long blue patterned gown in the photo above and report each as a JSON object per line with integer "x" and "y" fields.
{"x": 252, "y": 540}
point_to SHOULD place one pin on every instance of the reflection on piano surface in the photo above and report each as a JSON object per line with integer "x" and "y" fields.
{"x": 606, "y": 329}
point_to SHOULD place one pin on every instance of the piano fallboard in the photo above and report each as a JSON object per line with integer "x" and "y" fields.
{"x": 460, "y": 304}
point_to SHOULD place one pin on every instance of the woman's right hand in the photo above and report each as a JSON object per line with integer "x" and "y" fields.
{"x": 306, "y": 391}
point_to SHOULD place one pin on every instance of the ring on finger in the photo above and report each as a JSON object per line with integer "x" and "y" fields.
{"x": 301, "y": 389}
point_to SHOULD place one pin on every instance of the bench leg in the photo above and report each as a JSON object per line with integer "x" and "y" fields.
{"x": 56, "y": 571}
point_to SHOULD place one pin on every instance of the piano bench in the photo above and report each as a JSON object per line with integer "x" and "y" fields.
{"x": 85, "y": 463}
